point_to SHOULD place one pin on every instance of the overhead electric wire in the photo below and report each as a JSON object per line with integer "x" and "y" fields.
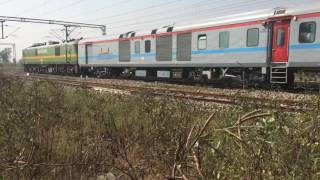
{"x": 173, "y": 8}
{"x": 62, "y": 8}
{"x": 186, "y": 11}
{"x": 14, "y": 31}
{"x": 156, "y": 21}
{"x": 56, "y": 35}
{"x": 172, "y": 18}
{"x": 185, "y": 15}
{"x": 182, "y": 15}
{"x": 33, "y": 7}
{"x": 135, "y": 10}
{"x": 157, "y": 6}
{"x": 98, "y": 9}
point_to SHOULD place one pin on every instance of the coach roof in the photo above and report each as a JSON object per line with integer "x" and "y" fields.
{"x": 253, "y": 16}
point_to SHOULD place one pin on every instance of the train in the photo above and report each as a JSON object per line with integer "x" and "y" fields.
{"x": 281, "y": 47}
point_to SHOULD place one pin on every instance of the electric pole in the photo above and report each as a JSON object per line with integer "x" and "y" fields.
{"x": 67, "y": 25}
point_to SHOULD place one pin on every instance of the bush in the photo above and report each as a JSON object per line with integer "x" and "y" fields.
{"x": 52, "y": 132}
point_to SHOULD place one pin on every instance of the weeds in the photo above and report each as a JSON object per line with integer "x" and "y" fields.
{"x": 51, "y": 132}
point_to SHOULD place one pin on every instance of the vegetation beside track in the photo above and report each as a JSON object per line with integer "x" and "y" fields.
{"x": 11, "y": 68}
{"x": 48, "y": 131}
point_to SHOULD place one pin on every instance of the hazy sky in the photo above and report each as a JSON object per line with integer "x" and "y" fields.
{"x": 119, "y": 15}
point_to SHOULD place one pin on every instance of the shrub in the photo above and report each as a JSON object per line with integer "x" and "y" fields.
{"x": 48, "y": 131}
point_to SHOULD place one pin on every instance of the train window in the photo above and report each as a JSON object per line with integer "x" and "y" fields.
{"x": 307, "y": 32}
{"x": 253, "y": 37}
{"x": 147, "y": 47}
{"x": 137, "y": 47}
{"x": 224, "y": 38}
{"x": 202, "y": 42}
{"x": 36, "y": 52}
{"x": 57, "y": 51}
{"x": 281, "y": 36}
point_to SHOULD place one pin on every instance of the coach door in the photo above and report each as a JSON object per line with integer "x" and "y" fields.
{"x": 89, "y": 52}
{"x": 124, "y": 50}
{"x": 164, "y": 48}
{"x": 280, "y": 43}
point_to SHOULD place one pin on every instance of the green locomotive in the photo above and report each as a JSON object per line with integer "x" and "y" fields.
{"x": 52, "y": 58}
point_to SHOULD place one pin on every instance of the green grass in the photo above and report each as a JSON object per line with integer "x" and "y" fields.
{"x": 51, "y": 132}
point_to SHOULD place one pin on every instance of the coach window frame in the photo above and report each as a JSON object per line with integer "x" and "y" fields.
{"x": 227, "y": 44}
{"x": 256, "y": 38}
{"x": 314, "y": 32}
{"x": 147, "y": 46}
{"x": 137, "y": 47}
{"x": 202, "y": 38}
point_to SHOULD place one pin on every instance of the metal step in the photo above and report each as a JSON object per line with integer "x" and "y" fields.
{"x": 279, "y": 73}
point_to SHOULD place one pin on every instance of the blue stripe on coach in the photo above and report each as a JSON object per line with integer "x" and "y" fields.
{"x": 198, "y": 52}
{"x": 204, "y": 52}
{"x": 230, "y": 50}
{"x": 143, "y": 55}
{"x": 304, "y": 46}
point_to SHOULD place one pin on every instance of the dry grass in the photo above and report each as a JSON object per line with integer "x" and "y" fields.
{"x": 51, "y": 132}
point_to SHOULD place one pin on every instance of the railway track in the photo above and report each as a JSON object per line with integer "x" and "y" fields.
{"x": 220, "y": 98}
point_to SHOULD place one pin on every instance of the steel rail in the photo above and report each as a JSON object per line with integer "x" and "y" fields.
{"x": 228, "y": 99}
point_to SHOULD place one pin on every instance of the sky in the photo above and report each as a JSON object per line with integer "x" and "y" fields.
{"x": 119, "y": 16}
